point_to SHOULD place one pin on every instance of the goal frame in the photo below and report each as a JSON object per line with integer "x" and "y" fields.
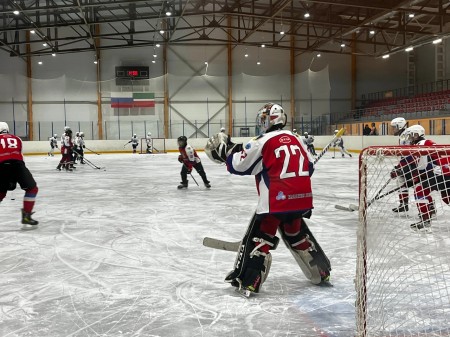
{"x": 362, "y": 309}
{"x": 158, "y": 145}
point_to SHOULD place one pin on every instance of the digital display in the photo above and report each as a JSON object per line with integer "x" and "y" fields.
{"x": 133, "y": 73}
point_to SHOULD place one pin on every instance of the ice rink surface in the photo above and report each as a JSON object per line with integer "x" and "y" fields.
{"x": 119, "y": 252}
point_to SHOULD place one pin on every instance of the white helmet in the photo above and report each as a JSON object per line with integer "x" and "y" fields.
{"x": 398, "y": 123}
{"x": 222, "y": 129}
{"x": 55, "y": 135}
{"x": 66, "y": 128}
{"x": 415, "y": 131}
{"x": 134, "y": 135}
{"x": 294, "y": 130}
{"x": 336, "y": 131}
{"x": 81, "y": 134}
{"x": 269, "y": 115}
{"x": 305, "y": 133}
{"x": 4, "y": 128}
{"x": 149, "y": 133}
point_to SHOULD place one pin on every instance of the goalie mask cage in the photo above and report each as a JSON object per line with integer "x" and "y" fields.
{"x": 158, "y": 146}
{"x": 402, "y": 274}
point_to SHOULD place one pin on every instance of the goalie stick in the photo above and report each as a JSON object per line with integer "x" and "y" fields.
{"x": 233, "y": 246}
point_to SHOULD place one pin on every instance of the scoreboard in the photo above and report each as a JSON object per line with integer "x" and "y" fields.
{"x": 128, "y": 74}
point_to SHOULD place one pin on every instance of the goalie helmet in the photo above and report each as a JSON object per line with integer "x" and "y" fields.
{"x": 182, "y": 141}
{"x": 271, "y": 116}
{"x": 4, "y": 128}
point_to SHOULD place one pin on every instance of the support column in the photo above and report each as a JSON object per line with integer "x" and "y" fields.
{"x": 99, "y": 89}
{"x": 292, "y": 58}
{"x": 353, "y": 70}
{"x": 166, "y": 92}
{"x": 29, "y": 88}
{"x": 230, "y": 79}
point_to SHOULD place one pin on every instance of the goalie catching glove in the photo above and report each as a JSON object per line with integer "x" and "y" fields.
{"x": 218, "y": 148}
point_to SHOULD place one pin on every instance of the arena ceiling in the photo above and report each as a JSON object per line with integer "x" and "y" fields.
{"x": 370, "y": 28}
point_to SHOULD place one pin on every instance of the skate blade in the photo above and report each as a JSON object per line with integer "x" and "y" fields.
{"x": 26, "y": 227}
{"x": 325, "y": 284}
{"x": 243, "y": 292}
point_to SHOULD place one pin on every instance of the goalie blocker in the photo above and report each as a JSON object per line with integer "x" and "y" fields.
{"x": 252, "y": 265}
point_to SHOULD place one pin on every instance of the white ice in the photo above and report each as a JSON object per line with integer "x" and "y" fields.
{"x": 118, "y": 252}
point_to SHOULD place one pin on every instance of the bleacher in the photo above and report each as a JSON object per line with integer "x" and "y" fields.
{"x": 423, "y": 103}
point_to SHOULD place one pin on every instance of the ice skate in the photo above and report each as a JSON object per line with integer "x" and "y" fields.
{"x": 207, "y": 184}
{"x": 28, "y": 222}
{"x": 401, "y": 208}
{"x": 244, "y": 292}
{"x": 183, "y": 186}
{"x": 424, "y": 224}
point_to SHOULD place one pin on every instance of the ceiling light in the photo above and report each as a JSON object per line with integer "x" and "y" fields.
{"x": 342, "y": 45}
{"x": 437, "y": 41}
{"x": 153, "y": 61}
{"x": 158, "y": 45}
{"x": 44, "y": 44}
{"x": 16, "y": 12}
{"x": 53, "y": 54}
{"x": 32, "y": 31}
{"x": 206, "y": 62}
{"x": 282, "y": 32}
{"x": 372, "y": 32}
{"x": 386, "y": 56}
{"x": 95, "y": 62}
{"x": 258, "y": 63}
{"x": 168, "y": 13}
{"x": 411, "y": 15}
{"x": 154, "y": 55}
{"x": 306, "y": 15}
{"x": 409, "y": 49}
{"x": 246, "y": 55}
{"x": 319, "y": 55}
{"x": 162, "y": 31}
{"x": 263, "y": 46}
{"x": 40, "y": 62}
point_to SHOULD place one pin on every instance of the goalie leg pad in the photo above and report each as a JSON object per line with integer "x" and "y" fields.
{"x": 307, "y": 253}
{"x": 252, "y": 264}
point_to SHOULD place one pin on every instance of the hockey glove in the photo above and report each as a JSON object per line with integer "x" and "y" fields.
{"x": 180, "y": 158}
{"x": 217, "y": 149}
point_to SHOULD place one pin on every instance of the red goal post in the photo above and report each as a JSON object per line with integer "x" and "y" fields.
{"x": 158, "y": 146}
{"x": 403, "y": 274}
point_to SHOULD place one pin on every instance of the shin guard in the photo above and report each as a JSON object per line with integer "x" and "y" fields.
{"x": 312, "y": 261}
{"x": 252, "y": 265}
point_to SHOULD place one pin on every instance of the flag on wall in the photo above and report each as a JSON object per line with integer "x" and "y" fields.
{"x": 132, "y": 100}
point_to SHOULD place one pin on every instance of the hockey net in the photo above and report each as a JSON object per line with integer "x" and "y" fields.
{"x": 403, "y": 272}
{"x": 158, "y": 146}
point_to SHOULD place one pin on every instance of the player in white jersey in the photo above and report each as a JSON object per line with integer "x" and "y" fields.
{"x": 309, "y": 140}
{"x": 79, "y": 147}
{"x": 399, "y": 126}
{"x": 53, "y": 144}
{"x": 339, "y": 143}
{"x": 149, "y": 141}
{"x": 134, "y": 142}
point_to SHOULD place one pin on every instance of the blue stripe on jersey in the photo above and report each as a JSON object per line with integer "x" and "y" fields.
{"x": 243, "y": 173}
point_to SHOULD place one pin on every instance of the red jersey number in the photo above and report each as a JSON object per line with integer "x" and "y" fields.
{"x": 290, "y": 153}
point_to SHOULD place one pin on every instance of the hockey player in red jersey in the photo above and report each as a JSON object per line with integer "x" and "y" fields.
{"x": 66, "y": 151}
{"x": 190, "y": 159}
{"x": 13, "y": 171}
{"x": 282, "y": 167}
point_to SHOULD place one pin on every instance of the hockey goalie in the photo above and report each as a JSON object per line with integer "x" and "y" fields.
{"x": 282, "y": 167}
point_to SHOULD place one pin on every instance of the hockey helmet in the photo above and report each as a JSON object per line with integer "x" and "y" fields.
{"x": 77, "y": 133}
{"x": 294, "y": 130}
{"x": 81, "y": 134}
{"x": 66, "y": 128}
{"x": 271, "y": 116}
{"x": 4, "y": 128}
{"x": 134, "y": 136}
{"x": 415, "y": 133}
{"x": 398, "y": 124}
{"x": 305, "y": 133}
{"x": 336, "y": 131}
{"x": 222, "y": 129}
{"x": 149, "y": 133}
{"x": 55, "y": 135}
{"x": 182, "y": 141}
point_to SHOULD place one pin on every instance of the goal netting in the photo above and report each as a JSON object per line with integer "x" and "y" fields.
{"x": 157, "y": 145}
{"x": 403, "y": 272}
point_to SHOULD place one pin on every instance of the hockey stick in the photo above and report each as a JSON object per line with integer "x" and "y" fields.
{"x": 98, "y": 154}
{"x": 91, "y": 164}
{"x": 190, "y": 173}
{"x": 353, "y": 207}
{"x": 325, "y": 149}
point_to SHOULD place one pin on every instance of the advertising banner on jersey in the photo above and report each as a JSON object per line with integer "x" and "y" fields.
{"x": 132, "y": 100}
